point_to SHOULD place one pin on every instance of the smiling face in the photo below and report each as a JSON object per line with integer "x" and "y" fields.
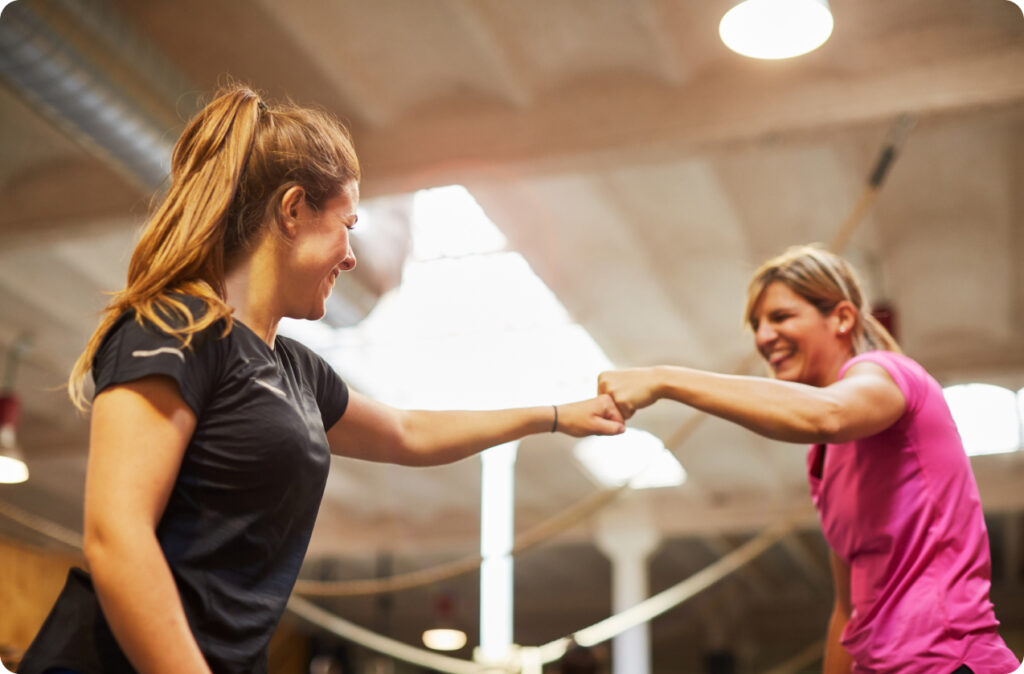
{"x": 799, "y": 343}
{"x": 319, "y": 252}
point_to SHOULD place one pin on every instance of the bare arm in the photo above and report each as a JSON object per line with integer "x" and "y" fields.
{"x": 139, "y": 433}
{"x": 837, "y": 659}
{"x": 864, "y": 402}
{"x": 376, "y": 432}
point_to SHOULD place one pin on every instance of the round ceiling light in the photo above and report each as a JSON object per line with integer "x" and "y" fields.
{"x": 776, "y": 29}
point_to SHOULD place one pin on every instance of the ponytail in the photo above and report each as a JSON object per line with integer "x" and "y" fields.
{"x": 872, "y": 336}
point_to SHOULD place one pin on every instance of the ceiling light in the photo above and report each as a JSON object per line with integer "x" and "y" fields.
{"x": 12, "y": 464}
{"x": 444, "y": 639}
{"x": 444, "y": 635}
{"x": 776, "y": 29}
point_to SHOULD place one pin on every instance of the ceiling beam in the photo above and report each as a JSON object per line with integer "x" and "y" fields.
{"x": 631, "y": 119}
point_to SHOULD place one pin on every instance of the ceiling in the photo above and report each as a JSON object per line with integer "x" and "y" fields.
{"x": 643, "y": 171}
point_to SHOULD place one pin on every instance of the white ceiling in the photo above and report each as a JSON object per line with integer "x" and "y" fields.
{"x": 643, "y": 170}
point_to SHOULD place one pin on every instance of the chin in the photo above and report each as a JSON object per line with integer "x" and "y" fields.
{"x": 316, "y": 313}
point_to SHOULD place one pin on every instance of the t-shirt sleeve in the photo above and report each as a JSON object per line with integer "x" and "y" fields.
{"x": 905, "y": 372}
{"x": 131, "y": 351}
{"x": 331, "y": 392}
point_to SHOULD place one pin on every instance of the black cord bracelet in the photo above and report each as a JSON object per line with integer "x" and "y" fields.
{"x": 554, "y": 426}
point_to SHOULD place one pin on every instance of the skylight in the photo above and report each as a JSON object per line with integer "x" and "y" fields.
{"x": 471, "y": 326}
{"x": 987, "y": 417}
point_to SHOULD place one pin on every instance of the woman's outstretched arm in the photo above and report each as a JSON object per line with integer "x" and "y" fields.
{"x": 377, "y": 432}
{"x": 138, "y": 437}
{"x": 864, "y": 402}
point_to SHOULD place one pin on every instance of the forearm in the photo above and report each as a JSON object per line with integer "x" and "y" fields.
{"x": 776, "y": 409}
{"x": 141, "y": 603}
{"x": 438, "y": 437}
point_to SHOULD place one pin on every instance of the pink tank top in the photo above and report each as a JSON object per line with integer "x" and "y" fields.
{"x": 902, "y": 509}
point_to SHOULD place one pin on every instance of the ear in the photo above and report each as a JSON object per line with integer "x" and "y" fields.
{"x": 845, "y": 316}
{"x": 292, "y": 201}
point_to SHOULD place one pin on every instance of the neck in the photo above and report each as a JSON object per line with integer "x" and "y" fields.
{"x": 250, "y": 293}
{"x": 833, "y": 374}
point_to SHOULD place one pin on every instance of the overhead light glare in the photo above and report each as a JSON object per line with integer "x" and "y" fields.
{"x": 776, "y": 29}
{"x": 986, "y": 417}
{"x": 636, "y": 456}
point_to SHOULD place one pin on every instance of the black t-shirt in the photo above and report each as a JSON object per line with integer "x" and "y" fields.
{"x": 241, "y": 512}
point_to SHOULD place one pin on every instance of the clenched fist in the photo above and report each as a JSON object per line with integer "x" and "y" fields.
{"x": 631, "y": 389}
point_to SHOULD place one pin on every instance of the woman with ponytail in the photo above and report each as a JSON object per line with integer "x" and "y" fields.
{"x": 211, "y": 435}
{"x": 893, "y": 487}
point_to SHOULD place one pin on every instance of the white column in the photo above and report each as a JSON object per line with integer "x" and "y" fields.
{"x": 497, "y": 509}
{"x": 627, "y": 535}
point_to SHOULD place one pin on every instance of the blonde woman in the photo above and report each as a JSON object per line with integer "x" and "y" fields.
{"x": 211, "y": 435}
{"x": 895, "y": 493}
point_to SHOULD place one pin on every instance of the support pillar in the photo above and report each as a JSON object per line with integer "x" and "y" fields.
{"x": 627, "y": 535}
{"x": 497, "y": 509}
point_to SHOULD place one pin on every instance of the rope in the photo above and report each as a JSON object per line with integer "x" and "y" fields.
{"x": 597, "y": 633}
{"x": 667, "y": 599}
{"x": 51, "y": 530}
{"x": 562, "y": 521}
{"x": 396, "y": 649}
{"x": 897, "y": 134}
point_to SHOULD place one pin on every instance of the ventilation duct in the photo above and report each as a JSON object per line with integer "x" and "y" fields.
{"x": 70, "y": 58}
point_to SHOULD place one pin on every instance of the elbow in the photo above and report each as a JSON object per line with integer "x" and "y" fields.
{"x": 405, "y": 447}
{"x": 95, "y": 548}
{"x": 826, "y": 424}
{"x": 108, "y": 545}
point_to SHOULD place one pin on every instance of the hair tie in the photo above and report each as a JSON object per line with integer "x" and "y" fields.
{"x": 261, "y": 105}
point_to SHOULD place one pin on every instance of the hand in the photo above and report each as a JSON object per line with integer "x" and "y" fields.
{"x": 630, "y": 389}
{"x": 597, "y": 416}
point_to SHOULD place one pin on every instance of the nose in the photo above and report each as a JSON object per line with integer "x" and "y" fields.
{"x": 764, "y": 334}
{"x": 349, "y": 263}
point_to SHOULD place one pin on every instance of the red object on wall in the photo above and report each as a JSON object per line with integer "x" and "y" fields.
{"x": 10, "y": 406}
{"x": 885, "y": 314}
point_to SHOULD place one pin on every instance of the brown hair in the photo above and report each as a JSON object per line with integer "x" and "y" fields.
{"x": 824, "y": 279}
{"x": 229, "y": 170}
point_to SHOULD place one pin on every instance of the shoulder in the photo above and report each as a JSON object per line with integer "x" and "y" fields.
{"x": 902, "y": 371}
{"x": 134, "y": 331}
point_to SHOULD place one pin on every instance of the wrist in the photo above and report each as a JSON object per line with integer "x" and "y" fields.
{"x": 659, "y": 381}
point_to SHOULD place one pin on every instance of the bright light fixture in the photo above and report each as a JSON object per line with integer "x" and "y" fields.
{"x": 12, "y": 470}
{"x": 12, "y": 464}
{"x": 986, "y": 416}
{"x": 776, "y": 29}
{"x": 444, "y": 639}
{"x": 635, "y": 456}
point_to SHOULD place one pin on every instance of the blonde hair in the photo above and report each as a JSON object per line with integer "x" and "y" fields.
{"x": 229, "y": 170}
{"x": 824, "y": 279}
